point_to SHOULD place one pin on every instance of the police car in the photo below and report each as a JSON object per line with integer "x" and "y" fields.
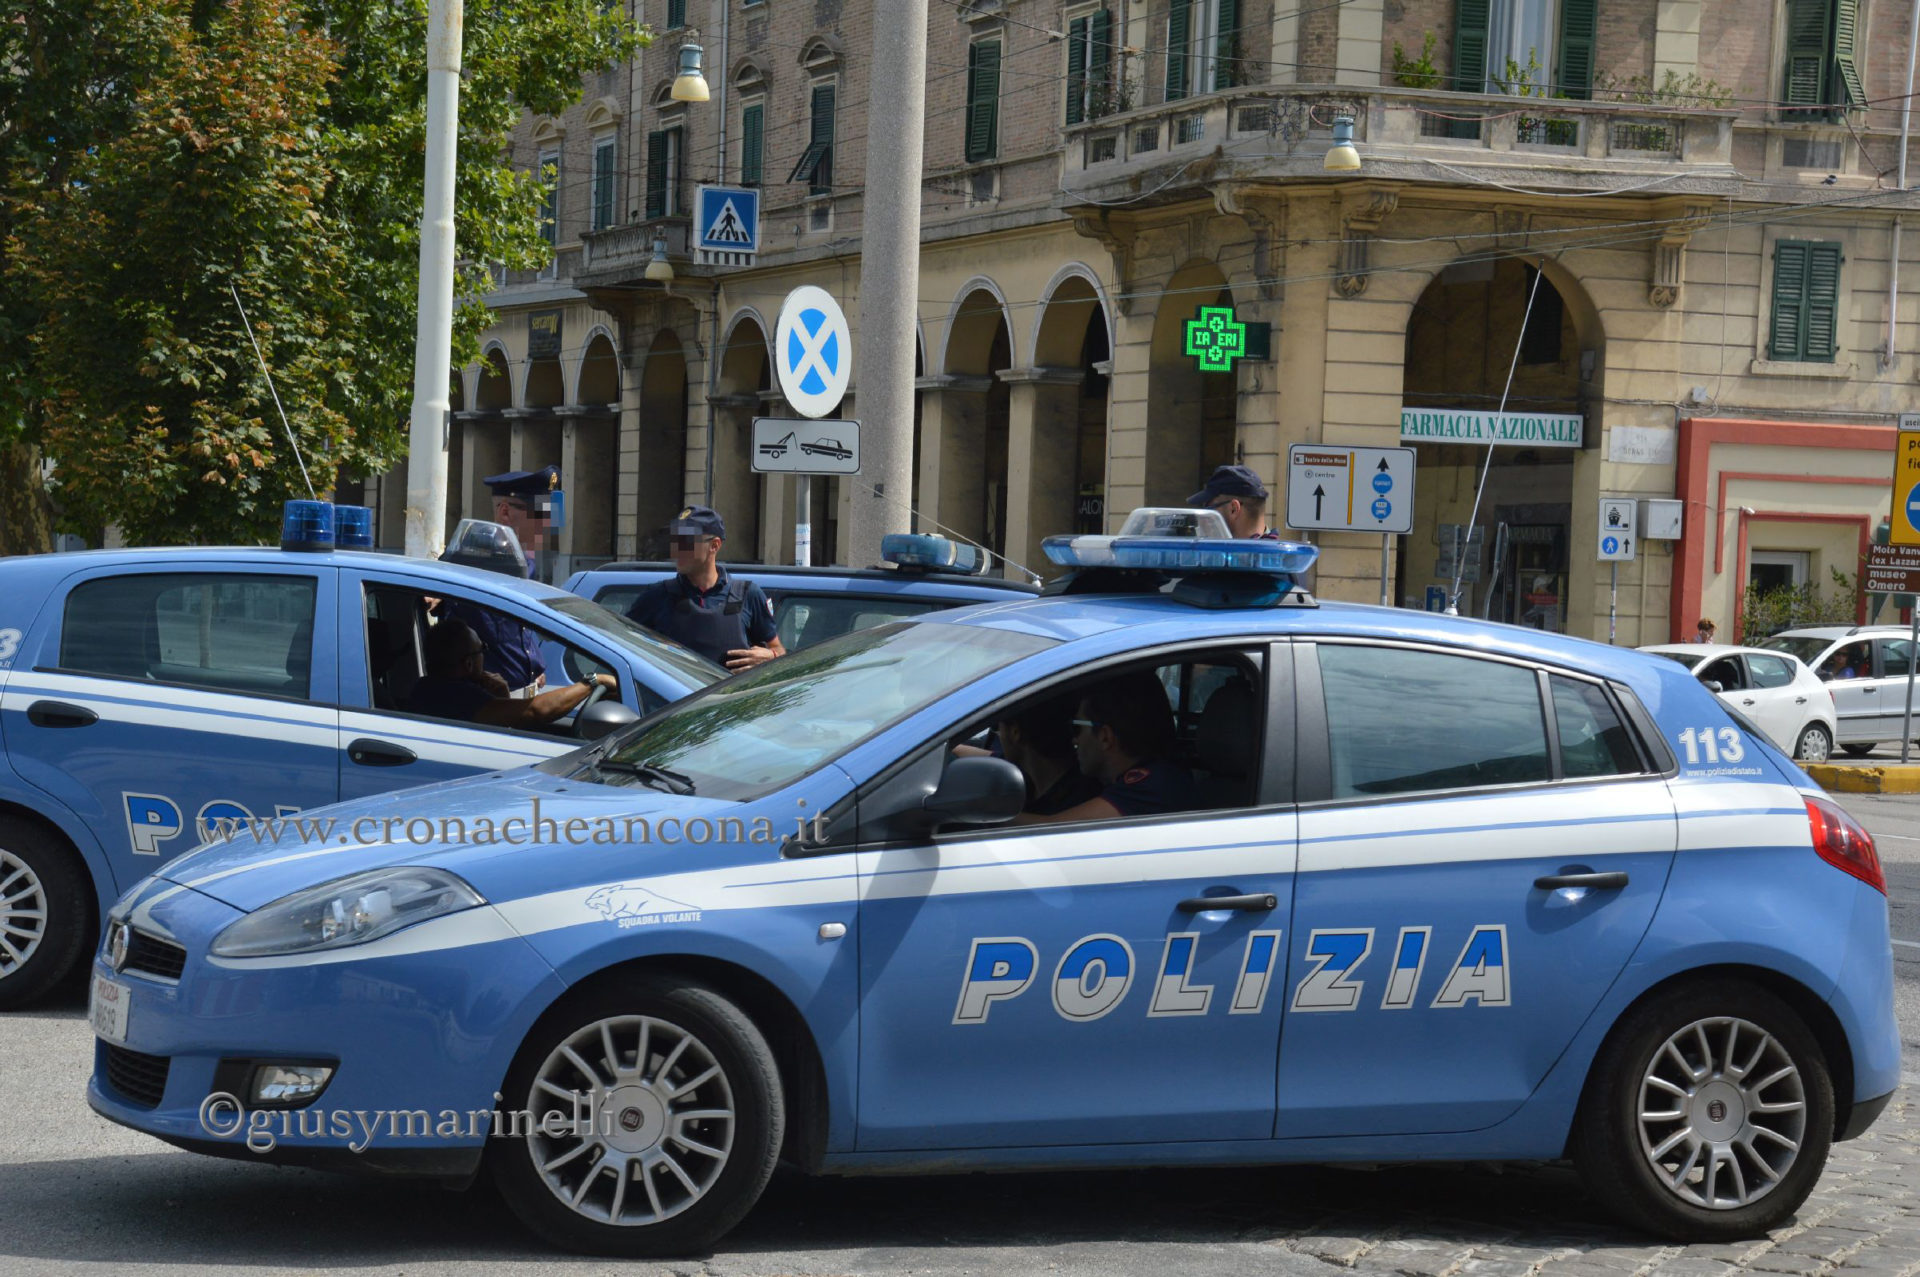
{"x": 1438, "y": 889}
{"x": 812, "y": 604}
{"x": 149, "y": 695}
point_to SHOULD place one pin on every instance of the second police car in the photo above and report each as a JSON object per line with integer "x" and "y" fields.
{"x": 149, "y": 695}
{"x": 1416, "y": 888}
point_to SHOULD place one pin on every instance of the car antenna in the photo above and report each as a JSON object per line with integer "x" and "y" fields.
{"x": 268, "y": 374}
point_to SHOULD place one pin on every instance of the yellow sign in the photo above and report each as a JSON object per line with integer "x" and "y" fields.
{"x": 1906, "y": 489}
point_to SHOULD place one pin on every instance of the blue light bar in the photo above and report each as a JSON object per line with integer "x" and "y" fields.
{"x": 919, "y": 550}
{"x": 306, "y": 525}
{"x": 352, "y": 527}
{"x": 1181, "y": 554}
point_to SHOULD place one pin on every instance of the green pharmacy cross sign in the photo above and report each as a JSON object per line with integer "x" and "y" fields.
{"x": 1215, "y": 339}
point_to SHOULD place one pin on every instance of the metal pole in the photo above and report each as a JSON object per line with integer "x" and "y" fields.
{"x": 1906, "y": 120}
{"x": 1913, "y": 655}
{"x": 802, "y": 520}
{"x": 1613, "y": 601}
{"x": 1386, "y": 542}
{"x": 433, "y": 331}
{"x": 890, "y": 277}
{"x": 714, "y": 352}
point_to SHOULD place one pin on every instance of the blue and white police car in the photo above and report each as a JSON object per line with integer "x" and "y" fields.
{"x": 1357, "y": 884}
{"x": 147, "y": 695}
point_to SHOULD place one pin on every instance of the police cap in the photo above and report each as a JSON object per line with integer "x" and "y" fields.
{"x": 1230, "y": 481}
{"x": 697, "y": 521}
{"x": 526, "y": 484}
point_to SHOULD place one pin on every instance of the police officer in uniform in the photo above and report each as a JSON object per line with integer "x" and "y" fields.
{"x": 513, "y": 650}
{"x": 726, "y": 619}
{"x": 1237, "y": 493}
{"x": 1124, "y": 739}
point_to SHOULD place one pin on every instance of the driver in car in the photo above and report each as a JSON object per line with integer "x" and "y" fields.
{"x": 458, "y": 686}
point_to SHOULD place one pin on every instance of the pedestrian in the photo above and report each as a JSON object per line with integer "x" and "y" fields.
{"x": 1241, "y": 499}
{"x": 1704, "y": 634}
{"x": 727, "y": 619}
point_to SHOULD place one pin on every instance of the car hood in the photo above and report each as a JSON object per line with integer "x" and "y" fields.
{"x": 586, "y": 833}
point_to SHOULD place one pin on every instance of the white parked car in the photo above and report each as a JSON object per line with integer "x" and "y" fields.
{"x": 1774, "y": 689}
{"x": 1865, "y": 667}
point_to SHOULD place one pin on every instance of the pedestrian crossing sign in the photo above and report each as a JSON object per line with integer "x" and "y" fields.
{"x": 729, "y": 222}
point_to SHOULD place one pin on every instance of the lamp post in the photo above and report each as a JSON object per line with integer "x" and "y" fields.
{"x": 426, "y": 514}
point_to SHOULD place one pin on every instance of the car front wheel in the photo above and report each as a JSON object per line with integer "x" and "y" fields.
{"x": 1815, "y": 744}
{"x": 650, "y": 1115}
{"x": 1709, "y": 1114}
{"x": 1854, "y": 749}
{"x": 45, "y": 913}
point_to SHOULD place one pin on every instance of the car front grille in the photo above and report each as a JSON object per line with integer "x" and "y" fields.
{"x": 141, "y": 1079}
{"x": 150, "y": 955}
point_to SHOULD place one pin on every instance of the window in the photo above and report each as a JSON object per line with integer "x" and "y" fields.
{"x": 1722, "y": 675}
{"x": 1806, "y": 301}
{"x": 663, "y": 173}
{"x": 1503, "y": 46}
{"x": 1769, "y": 671}
{"x": 1090, "y": 66}
{"x": 1849, "y": 661}
{"x": 1823, "y": 70}
{"x": 1203, "y": 46}
{"x": 550, "y": 197}
{"x": 676, "y": 14}
{"x": 1894, "y": 654}
{"x": 983, "y": 100}
{"x": 805, "y": 619}
{"x": 816, "y": 162}
{"x": 605, "y": 180}
{"x": 753, "y": 132}
{"x": 1476, "y": 722}
{"x": 230, "y": 633}
{"x": 1593, "y": 740}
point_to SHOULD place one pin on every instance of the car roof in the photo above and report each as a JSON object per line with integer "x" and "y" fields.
{"x": 794, "y": 574}
{"x": 1709, "y": 650}
{"x": 1839, "y": 631}
{"x": 61, "y": 565}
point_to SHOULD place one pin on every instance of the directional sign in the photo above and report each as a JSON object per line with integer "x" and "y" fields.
{"x": 729, "y": 222}
{"x": 1906, "y": 488}
{"x": 1616, "y": 530}
{"x": 796, "y": 445}
{"x": 1892, "y": 569}
{"x": 1343, "y": 489}
{"x": 813, "y": 351}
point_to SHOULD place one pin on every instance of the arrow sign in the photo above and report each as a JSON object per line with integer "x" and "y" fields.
{"x": 1316, "y": 472}
{"x": 1319, "y": 493}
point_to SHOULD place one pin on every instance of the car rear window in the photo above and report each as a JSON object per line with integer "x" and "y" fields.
{"x": 1807, "y": 649}
{"x": 229, "y": 632}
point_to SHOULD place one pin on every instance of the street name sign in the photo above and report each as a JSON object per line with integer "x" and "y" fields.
{"x": 1906, "y": 488}
{"x": 799, "y": 445}
{"x": 812, "y": 351}
{"x": 1616, "y": 530}
{"x": 1892, "y": 569}
{"x": 1339, "y": 489}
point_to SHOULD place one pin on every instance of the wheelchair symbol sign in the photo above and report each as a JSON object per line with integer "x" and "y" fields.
{"x": 814, "y": 351}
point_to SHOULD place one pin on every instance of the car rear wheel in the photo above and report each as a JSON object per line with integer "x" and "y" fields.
{"x": 1814, "y": 745}
{"x": 653, "y": 1118}
{"x": 1854, "y": 749}
{"x": 44, "y": 912}
{"x": 1708, "y": 1115}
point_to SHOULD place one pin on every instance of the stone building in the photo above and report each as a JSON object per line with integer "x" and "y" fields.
{"x": 1696, "y": 206}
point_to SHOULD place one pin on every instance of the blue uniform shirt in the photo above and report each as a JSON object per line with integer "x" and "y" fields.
{"x": 1152, "y": 789}
{"x": 513, "y": 649}
{"x": 698, "y": 618}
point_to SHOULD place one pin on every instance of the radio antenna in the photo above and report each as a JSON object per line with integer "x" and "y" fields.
{"x": 268, "y": 374}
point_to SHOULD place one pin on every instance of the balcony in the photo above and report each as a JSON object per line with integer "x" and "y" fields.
{"x": 618, "y": 256}
{"x": 1275, "y": 132}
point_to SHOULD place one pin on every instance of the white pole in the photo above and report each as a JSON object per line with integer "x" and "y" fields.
{"x": 890, "y": 278}
{"x": 433, "y": 332}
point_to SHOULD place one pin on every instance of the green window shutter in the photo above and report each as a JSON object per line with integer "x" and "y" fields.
{"x": 1470, "y": 46}
{"x": 753, "y": 126}
{"x": 821, "y": 180}
{"x": 1578, "y": 25}
{"x": 1226, "y": 46}
{"x": 1846, "y": 29}
{"x": 1823, "y": 301}
{"x": 1077, "y": 70}
{"x": 676, "y": 14}
{"x": 1806, "y": 52}
{"x": 1179, "y": 34}
{"x": 603, "y": 180}
{"x": 657, "y": 174}
{"x": 1787, "y": 337}
{"x": 983, "y": 100}
{"x": 1100, "y": 64}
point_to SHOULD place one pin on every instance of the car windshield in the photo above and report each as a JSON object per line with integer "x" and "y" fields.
{"x": 773, "y": 724}
{"x": 1688, "y": 659}
{"x": 1807, "y": 649}
{"x": 688, "y": 667}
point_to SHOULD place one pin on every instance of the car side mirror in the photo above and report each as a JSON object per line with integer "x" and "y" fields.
{"x": 978, "y": 791}
{"x": 1714, "y": 685}
{"x": 605, "y": 716}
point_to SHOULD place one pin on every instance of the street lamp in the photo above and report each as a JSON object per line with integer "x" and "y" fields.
{"x": 690, "y": 85}
{"x": 1342, "y": 158}
{"x": 659, "y": 269}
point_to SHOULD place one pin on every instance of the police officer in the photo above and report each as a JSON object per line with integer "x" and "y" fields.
{"x": 726, "y": 619}
{"x": 1124, "y": 739}
{"x": 522, "y": 501}
{"x": 513, "y": 650}
{"x": 1237, "y": 493}
{"x": 457, "y": 686}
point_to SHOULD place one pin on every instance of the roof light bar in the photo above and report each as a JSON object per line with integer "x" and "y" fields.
{"x": 932, "y": 553}
{"x": 307, "y": 526}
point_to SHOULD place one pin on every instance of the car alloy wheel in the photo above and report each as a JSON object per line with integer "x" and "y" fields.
{"x": 1723, "y": 1113}
{"x": 1814, "y": 746}
{"x": 23, "y": 913}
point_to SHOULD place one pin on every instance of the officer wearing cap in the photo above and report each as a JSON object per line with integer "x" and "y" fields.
{"x": 726, "y": 619}
{"x": 1237, "y": 493}
{"x": 520, "y": 503}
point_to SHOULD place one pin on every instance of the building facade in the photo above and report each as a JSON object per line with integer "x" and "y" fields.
{"x": 1665, "y": 233}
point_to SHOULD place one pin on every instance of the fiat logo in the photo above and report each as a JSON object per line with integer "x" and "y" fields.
{"x": 1716, "y": 1111}
{"x": 630, "y": 1119}
{"x": 117, "y": 937}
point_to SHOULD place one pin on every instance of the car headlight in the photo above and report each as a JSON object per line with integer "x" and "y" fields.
{"x": 346, "y": 911}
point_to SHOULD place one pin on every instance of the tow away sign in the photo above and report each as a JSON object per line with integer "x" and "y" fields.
{"x": 1341, "y": 489}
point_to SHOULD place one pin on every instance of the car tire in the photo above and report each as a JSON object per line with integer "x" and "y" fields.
{"x": 1668, "y": 1089}
{"x": 1815, "y": 744}
{"x": 1854, "y": 749}
{"x": 46, "y": 909}
{"x": 677, "y": 1143}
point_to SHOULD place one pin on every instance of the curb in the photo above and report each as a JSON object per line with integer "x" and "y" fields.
{"x": 1891, "y": 778}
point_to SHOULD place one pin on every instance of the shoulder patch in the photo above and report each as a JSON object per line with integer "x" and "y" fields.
{"x": 1133, "y": 776}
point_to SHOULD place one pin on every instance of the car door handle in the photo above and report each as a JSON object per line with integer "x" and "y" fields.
{"x": 1554, "y": 882}
{"x": 1258, "y": 902}
{"x": 60, "y": 714}
{"x": 379, "y": 753}
{"x": 1799, "y": 700}
{"x": 1746, "y": 700}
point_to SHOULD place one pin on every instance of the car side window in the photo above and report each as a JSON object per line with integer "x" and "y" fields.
{"x": 1850, "y": 661}
{"x": 1769, "y": 671}
{"x": 1725, "y": 671}
{"x": 1894, "y": 655}
{"x": 227, "y": 632}
{"x": 805, "y": 619}
{"x": 1402, "y": 721}
{"x": 1593, "y": 740}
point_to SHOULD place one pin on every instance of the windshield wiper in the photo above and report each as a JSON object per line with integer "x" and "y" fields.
{"x": 657, "y": 777}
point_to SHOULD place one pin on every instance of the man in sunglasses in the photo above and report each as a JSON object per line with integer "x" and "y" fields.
{"x": 1123, "y": 737}
{"x": 1237, "y": 493}
{"x": 726, "y": 619}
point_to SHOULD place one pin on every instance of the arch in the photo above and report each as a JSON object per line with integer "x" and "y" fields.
{"x": 603, "y": 113}
{"x": 549, "y": 132}
{"x": 597, "y": 379}
{"x": 971, "y": 317}
{"x": 1060, "y": 288}
{"x": 746, "y": 373}
{"x": 663, "y": 99}
{"x": 661, "y": 456}
{"x": 750, "y": 75}
{"x": 494, "y": 386}
{"x": 821, "y": 53}
{"x": 967, "y": 436}
{"x": 746, "y": 315}
{"x": 545, "y": 385}
{"x": 1194, "y": 425}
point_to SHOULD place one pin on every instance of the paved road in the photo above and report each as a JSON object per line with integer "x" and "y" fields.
{"x": 80, "y": 1196}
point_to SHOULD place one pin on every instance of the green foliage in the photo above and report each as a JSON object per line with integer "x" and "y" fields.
{"x": 1765, "y": 612}
{"x": 1524, "y": 81}
{"x": 1673, "y": 90}
{"x": 1417, "y": 72}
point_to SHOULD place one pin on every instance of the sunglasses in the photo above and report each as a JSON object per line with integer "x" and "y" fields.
{"x": 1087, "y": 723}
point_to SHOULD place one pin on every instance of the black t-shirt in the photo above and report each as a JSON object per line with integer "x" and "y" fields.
{"x": 1153, "y": 788}
{"x": 1073, "y": 788}
{"x": 444, "y": 697}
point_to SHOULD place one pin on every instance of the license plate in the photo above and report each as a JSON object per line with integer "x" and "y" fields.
{"x": 108, "y": 1007}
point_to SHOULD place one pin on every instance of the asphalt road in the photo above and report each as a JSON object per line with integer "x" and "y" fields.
{"x": 78, "y": 1195}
